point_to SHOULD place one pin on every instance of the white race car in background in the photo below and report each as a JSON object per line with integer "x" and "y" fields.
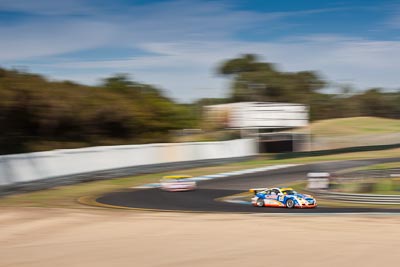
{"x": 177, "y": 183}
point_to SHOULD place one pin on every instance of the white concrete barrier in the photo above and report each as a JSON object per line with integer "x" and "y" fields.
{"x": 58, "y": 163}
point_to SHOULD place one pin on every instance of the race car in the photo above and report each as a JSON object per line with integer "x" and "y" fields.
{"x": 177, "y": 183}
{"x": 284, "y": 197}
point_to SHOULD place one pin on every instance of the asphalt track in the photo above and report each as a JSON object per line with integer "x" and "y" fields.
{"x": 205, "y": 198}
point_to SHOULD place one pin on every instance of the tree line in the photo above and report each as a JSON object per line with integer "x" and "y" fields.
{"x": 253, "y": 80}
{"x": 37, "y": 114}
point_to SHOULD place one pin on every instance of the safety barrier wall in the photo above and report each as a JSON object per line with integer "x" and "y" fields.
{"x": 360, "y": 198}
{"x": 30, "y": 167}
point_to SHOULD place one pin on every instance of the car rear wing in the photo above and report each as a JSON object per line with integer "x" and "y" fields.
{"x": 257, "y": 190}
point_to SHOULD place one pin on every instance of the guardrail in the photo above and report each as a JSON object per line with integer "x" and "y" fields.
{"x": 360, "y": 198}
{"x": 319, "y": 184}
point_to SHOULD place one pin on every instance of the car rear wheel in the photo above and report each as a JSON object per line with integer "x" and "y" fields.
{"x": 289, "y": 203}
{"x": 260, "y": 202}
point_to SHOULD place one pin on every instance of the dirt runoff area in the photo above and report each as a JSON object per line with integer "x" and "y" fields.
{"x": 64, "y": 237}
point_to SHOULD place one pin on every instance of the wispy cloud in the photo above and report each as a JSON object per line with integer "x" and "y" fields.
{"x": 190, "y": 68}
{"x": 39, "y": 39}
{"x": 182, "y": 43}
{"x": 47, "y": 7}
{"x": 393, "y": 20}
{"x": 160, "y": 22}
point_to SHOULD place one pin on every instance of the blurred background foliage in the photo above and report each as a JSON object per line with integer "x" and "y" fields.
{"x": 37, "y": 114}
{"x": 253, "y": 80}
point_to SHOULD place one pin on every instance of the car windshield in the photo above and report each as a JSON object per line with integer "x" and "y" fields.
{"x": 178, "y": 180}
{"x": 289, "y": 192}
{"x": 175, "y": 178}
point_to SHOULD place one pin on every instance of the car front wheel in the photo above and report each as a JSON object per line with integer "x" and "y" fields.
{"x": 289, "y": 203}
{"x": 260, "y": 202}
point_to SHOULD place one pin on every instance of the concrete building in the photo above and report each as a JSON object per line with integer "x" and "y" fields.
{"x": 273, "y": 124}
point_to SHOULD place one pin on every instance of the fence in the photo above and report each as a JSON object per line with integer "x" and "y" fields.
{"x": 361, "y": 198}
{"x": 111, "y": 161}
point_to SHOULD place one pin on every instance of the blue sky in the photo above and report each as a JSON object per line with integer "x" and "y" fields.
{"x": 177, "y": 45}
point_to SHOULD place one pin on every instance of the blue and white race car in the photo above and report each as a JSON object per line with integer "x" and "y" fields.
{"x": 284, "y": 197}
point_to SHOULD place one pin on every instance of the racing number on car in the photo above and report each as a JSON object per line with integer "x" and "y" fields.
{"x": 281, "y": 197}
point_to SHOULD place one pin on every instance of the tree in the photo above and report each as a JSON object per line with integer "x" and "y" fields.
{"x": 36, "y": 114}
{"x": 261, "y": 81}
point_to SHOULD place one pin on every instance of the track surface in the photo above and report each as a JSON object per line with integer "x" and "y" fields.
{"x": 203, "y": 199}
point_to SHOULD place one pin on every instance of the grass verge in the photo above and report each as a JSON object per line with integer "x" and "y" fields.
{"x": 355, "y": 126}
{"x": 382, "y": 166}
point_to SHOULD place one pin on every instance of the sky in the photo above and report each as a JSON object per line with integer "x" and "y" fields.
{"x": 178, "y": 45}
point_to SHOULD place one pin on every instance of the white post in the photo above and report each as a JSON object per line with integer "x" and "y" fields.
{"x": 294, "y": 143}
